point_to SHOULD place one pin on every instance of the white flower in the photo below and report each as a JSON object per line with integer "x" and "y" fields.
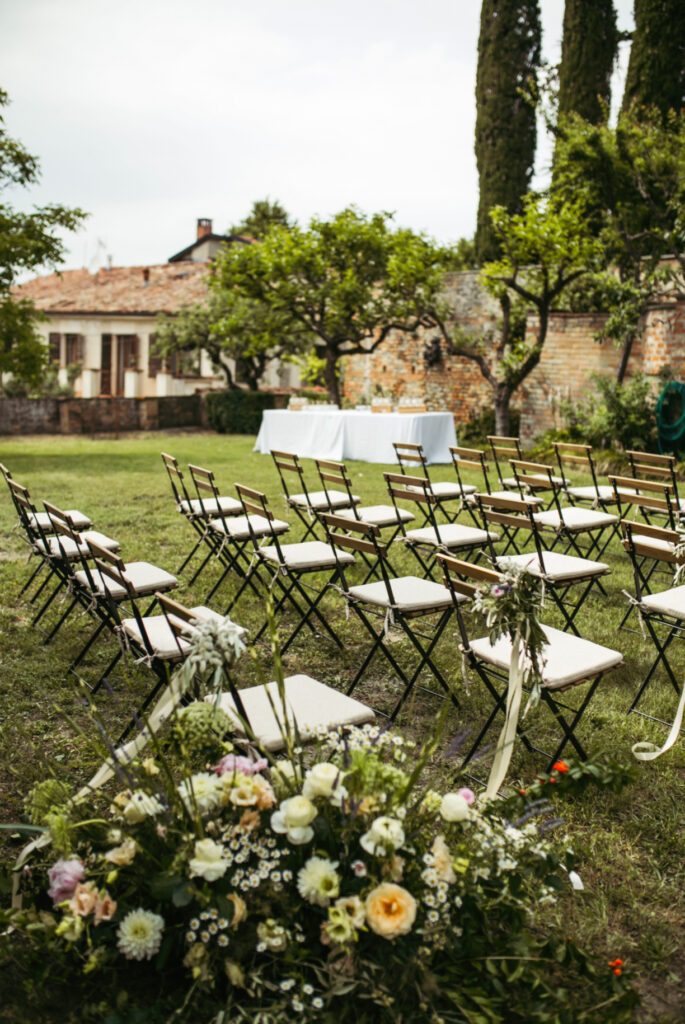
{"x": 140, "y": 934}
{"x": 385, "y": 834}
{"x": 202, "y": 791}
{"x": 318, "y": 881}
{"x": 209, "y": 861}
{"x": 454, "y": 807}
{"x": 140, "y": 806}
{"x": 293, "y": 817}
{"x": 322, "y": 780}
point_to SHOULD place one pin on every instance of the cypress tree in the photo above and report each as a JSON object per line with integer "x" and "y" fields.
{"x": 656, "y": 69}
{"x": 508, "y": 58}
{"x": 588, "y": 52}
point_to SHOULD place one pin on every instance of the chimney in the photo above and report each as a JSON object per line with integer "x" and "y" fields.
{"x": 204, "y": 227}
{"x": 146, "y": 275}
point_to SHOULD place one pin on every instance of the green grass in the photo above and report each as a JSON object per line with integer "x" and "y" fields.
{"x": 631, "y": 846}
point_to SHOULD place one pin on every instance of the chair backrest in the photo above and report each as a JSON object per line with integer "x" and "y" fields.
{"x": 416, "y": 489}
{"x": 409, "y": 454}
{"x": 512, "y": 513}
{"x": 642, "y": 540}
{"x": 111, "y": 566}
{"x": 353, "y": 535}
{"x": 504, "y": 449}
{"x": 578, "y": 457}
{"x": 648, "y": 465}
{"x": 646, "y": 495}
{"x": 26, "y": 511}
{"x": 336, "y": 473}
{"x": 533, "y": 475}
{"x": 255, "y": 503}
{"x": 470, "y": 458}
{"x": 177, "y": 482}
{"x": 463, "y": 579}
{"x": 288, "y": 465}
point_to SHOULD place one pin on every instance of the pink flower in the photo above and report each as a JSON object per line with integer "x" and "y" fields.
{"x": 359, "y": 868}
{"x": 64, "y": 876}
{"x": 468, "y": 795}
{"x": 233, "y": 763}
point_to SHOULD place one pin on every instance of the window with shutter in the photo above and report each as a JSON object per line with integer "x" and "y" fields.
{"x": 74, "y": 349}
{"x": 155, "y": 363}
{"x": 55, "y": 346}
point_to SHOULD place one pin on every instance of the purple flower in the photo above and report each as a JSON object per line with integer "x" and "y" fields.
{"x": 64, "y": 876}
{"x": 233, "y": 763}
{"x": 468, "y": 795}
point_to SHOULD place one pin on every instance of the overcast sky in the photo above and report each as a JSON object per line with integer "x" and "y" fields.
{"x": 150, "y": 114}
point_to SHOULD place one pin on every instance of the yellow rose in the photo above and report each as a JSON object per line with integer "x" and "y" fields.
{"x": 390, "y": 910}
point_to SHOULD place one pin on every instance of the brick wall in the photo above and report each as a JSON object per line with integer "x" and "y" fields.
{"x": 99, "y": 415}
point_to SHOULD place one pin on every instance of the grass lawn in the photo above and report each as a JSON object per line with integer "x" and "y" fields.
{"x": 631, "y": 846}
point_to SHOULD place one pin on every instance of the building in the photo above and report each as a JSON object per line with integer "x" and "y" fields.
{"x": 102, "y": 324}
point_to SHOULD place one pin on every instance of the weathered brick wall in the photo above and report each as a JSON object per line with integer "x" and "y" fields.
{"x": 99, "y": 415}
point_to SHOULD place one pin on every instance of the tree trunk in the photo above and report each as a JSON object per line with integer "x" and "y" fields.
{"x": 330, "y": 375}
{"x": 502, "y": 420}
{"x": 625, "y": 356}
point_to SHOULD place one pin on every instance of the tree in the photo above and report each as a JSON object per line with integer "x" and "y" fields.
{"x": 545, "y": 248}
{"x": 348, "y": 282}
{"x": 656, "y": 67}
{"x": 27, "y": 242}
{"x": 230, "y": 327}
{"x": 263, "y": 216}
{"x": 508, "y": 58}
{"x": 588, "y": 52}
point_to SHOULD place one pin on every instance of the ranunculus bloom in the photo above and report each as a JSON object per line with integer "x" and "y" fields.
{"x": 454, "y": 807}
{"x": 235, "y": 763}
{"x": 322, "y": 779}
{"x": 467, "y": 794}
{"x": 293, "y": 817}
{"x": 84, "y": 899}
{"x": 64, "y": 876}
{"x": 390, "y": 910}
{"x": 105, "y": 908}
{"x": 123, "y": 854}
{"x": 385, "y": 834}
{"x": 209, "y": 861}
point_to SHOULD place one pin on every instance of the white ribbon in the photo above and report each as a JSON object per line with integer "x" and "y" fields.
{"x": 644, "y": 751}
{"x": 505, "y": 743}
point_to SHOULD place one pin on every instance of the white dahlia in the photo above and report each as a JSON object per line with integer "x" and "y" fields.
{"x": 140, "y": 934}
{"x": 318, "y": 881}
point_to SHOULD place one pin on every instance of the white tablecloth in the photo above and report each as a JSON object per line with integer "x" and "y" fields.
{"x": 348, "y": 434}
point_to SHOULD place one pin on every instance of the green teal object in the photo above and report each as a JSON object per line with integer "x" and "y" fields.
{"x": 670, "y": 419}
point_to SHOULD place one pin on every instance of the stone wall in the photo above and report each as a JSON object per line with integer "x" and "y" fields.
{"x": 99, "y": 415}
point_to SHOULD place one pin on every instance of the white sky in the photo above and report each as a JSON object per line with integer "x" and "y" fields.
{"x": 150, "y": 114}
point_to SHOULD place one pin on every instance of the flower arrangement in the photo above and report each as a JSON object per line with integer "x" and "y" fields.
{"x": 331, "y": 885}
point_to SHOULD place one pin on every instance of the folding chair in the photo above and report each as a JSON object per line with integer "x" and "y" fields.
{"x": 208, "y": 507}
{"x": 196, "y": 510}
{"x": 646, "y": 465}
{"x": 561, "y": 575}
{"x": 569, "y": 661}
{"x": 413, "y": 456}
{"x": 287, "y": 565}
{"x": 508, "y": 449}
{"x": 307, "y": 504}
{"x": 663, "y": 609}
{"x": 580, "y": 458}
{"x": 570, "y": 522}
{"x": 382, "y": 516}
{"x": 257, "y": 711}
{"x": 427, "y": 540}
{"x": 391, "y": 600}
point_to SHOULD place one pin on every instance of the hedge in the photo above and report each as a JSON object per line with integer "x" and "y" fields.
{"x": 237, "y": 412}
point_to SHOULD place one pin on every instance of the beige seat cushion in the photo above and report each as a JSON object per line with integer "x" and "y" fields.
{"x": 445, "y": 489}
{"x": 511, "y": 481}
{"x": 162, "y": 638}
{"x": 451, "y": 535}
{"x": 144, "y": 577}
{"x": 318, "y": 499}
{"x": 309, "y": 554}
{"x": 603, "y": 491}
{"x": 558, "y": 567}
{"x": 569, "y": 658}
{"x": 72, "y": 551}
{"x": 575, "y": 519}
{"x": 409, "y": 592}
{"x": 378, "y": 515}
{"x": 309, "y": 703}
{"x": 530, "y": 499}
{"x": 238, "y": 529}
{"x": 78, "y": 520}
{"x": 210, "y": 506}
{"x": 668, "y": 602}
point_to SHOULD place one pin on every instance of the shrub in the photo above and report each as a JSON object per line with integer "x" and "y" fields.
{"x": 614, "y": 415}
{"x": 237, "y": 412}
{"x": 482, "y": 422}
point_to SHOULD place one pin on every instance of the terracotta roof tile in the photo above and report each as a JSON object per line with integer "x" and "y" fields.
{"x": 119, "y": 290}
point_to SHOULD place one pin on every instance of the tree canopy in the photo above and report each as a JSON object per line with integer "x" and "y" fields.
{"x": 588, "y": 52}
{"x": 263, "y": 216}
{"x": 28, "y": 241}
{"x": 656, "y": 67}
{"x": 347, "y": 282}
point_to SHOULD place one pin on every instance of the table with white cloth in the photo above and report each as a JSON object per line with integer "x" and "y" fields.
{"x": 351, "y": 434}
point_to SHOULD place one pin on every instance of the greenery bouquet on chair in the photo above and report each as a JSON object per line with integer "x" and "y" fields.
{"x": 331, "y": 885}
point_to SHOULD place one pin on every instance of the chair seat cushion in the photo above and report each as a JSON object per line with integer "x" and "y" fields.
{"x": 668, "y": 602}
{"x": 574, "y": 518}
{"x": 144, "y": 577}
{"x": 511, "y": 481}
{"x": 450, "y": 535}
{"x": 309, "y": 554}
{"x": 319, "y": 500}
{"x": 557, "y": 567}
{"x": 409, "y": 592}
{"x": 569, "y": 658}
{"x": 445, "y": 489}
{"x": 71, "y": 550}
{"x": 238, "y": 529}
{"x": 210, "y": 506}
{"x": 309, "y": 703}
{"x": 530, "y": 499}
{"x": 163, "y": 640}
{"x": 78, "y": 520}
{"x": 378, "y": 515}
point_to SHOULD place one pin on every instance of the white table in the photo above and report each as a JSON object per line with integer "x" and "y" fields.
{"x": 348, "y": 434}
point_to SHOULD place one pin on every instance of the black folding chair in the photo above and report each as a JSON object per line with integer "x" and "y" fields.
{"x": 578, "y": 457}
{"x": 392, "y": 600}
{"x": 649, "y": 466}
{"x": 412, "y": 456}
{"x": 569, "y": 660}
{"x": 305, "y": 503}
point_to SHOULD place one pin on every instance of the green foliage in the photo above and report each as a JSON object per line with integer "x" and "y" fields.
{"x": 656, "y": 68}
{"x": 588, "y": 51}
{"x": 481, "y": 424}
{"x": 200, "y": 727}
{"x": 614, "y": 415}
{"x": 263, "y": 216}
{"x": 28, "y": 241}
{"x": 45, "y": 798}
{"x": 236, "y": 411}
{"x": 508, "y": 60}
